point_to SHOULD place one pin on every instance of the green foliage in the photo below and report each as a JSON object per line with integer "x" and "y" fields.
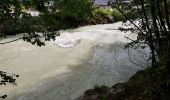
{"x": 12, "y": 19}
{"x": 2, "y": 35}
{"x": 117, "y": 16}
{"x": 76, "y": 9}
{"x": 153, "y": 26}
{"x": 103, "y": 11}
{"x": 35, "y": 38}
{"x": 6, "y": 78}
{"x": 66, "y": 13}
{"x": 7, "y": 9}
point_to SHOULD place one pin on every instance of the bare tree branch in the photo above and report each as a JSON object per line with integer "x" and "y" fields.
{"x": 11, "y": 41}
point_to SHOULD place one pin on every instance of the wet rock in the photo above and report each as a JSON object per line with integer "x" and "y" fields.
{"x": 118, "y": 87}
{"x": 110, "y": 18}
{"x": 101, "y": 90}
{"x": 90, "y": 94}
{"x": 137, "y": 75}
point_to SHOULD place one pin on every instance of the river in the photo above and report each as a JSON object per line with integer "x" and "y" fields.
{"x": 63, "y": 69}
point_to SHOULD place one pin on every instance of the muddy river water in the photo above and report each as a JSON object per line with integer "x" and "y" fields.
{"x": 77, "y": 60}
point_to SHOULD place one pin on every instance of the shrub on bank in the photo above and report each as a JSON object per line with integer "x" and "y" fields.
{"x": 117, "y": 16}
{"x": 103, "y": 11}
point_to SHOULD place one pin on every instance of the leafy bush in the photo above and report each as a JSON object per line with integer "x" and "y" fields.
{"x": 12, "y": 19}
{"x": 117, "y": 15}
{"x": 103, "y": 11}
{"x": 113, "y": 12}
{"x": 76, "y": 9}
{"x": 67, "y": 13}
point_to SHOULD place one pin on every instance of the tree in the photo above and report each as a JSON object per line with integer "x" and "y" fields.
{"x": 153, "y": 28}
{"x": 12, "y": 19}
{"x": 66, "y": 13}
{"x": 77, "y": 9}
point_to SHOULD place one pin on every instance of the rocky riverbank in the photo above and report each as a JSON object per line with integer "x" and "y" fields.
{"x": 148, "y": 84}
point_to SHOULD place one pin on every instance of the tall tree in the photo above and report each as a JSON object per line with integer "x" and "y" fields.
{"x": 153, "y": 28}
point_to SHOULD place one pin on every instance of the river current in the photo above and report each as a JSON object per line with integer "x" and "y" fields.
{"x": 76, "y": 61}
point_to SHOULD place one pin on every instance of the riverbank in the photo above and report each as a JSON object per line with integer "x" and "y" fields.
{"x": 148, "y": 84}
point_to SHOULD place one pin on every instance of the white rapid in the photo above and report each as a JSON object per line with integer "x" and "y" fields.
{"x": 78, "y": 60}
